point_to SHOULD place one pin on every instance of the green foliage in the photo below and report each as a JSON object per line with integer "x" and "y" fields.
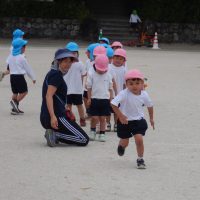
{"x": 180, "y": 11}
{"x": 69, "y": 9}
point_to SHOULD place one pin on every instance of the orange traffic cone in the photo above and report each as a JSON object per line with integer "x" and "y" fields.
{"x": 155, "y": 41}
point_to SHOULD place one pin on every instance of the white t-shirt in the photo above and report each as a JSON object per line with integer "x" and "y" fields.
{"x": 19, "y": 65}
{"x": 131, "y": 105}
{"x": 134, "y": 19}
{"x": 88, "y": 67}
{"x": 73, "y": 78}
{"x": 118, "y": 73}
{"x": 100, "y": 84}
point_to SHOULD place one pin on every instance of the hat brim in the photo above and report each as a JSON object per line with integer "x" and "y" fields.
{"x": 100, "y": 69}
{"x": 67, "y": 55}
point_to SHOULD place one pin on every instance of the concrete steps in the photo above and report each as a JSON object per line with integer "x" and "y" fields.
{"x": 117, "y": 29}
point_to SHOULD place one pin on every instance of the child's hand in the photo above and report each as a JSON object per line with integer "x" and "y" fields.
{"x": 34, "y": 81}
{"x": 123, "y": 119}
{"x": 152, "y": 123}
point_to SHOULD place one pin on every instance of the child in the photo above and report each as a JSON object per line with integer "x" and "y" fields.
{"x": 16, "y": 34}
{"x": 74, "y": 81}
{"x": 118, "y": 70}
{"x": 116, "y": 45}
{"x": 134, "y": 20}
{"x": 19, "y": 66}
{"x": 130, "y": 114}
{"x": 99, "y": 85}
{"x": 104, "y": 40}
{"x": 53, "y": 111}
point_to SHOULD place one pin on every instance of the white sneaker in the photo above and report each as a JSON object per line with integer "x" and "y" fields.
{"x": 92, "y": 135}
{"x": 102, "y": 137}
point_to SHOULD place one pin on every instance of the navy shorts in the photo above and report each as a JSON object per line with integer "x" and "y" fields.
{"x": 75, "y": 99}
{"x": 18, "y": 83}
{"x": 134, "y": 127}
{"x": 100, "y": 107}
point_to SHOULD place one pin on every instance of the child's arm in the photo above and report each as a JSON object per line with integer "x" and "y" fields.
{"x": 89, "y": 93}
{"x": 49, "y": 99}
{"x": 114, "y": 86}
{"x": 150, "y": 111}
{"x": 29, "y": 71}
{"x": 123, "y": 119}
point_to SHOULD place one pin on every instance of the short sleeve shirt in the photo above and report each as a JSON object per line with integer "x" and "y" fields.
{"x": 131, "y": 105}
{"x": 54, "y": 78}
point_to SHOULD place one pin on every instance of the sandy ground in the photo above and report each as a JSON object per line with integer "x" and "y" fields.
{"x": 30, "y": 170}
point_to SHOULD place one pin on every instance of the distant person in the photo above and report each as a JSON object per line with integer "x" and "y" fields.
{"x": 130, "y": 113}
{"x": 59, "y": 127}
{"x": 134, "y": 21}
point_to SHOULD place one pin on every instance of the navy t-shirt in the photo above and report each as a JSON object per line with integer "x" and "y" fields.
{"x": 54, "y": 78}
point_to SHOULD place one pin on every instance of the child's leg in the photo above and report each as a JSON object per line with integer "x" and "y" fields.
{"x": 124, "y": 142}
{"x": 102, "y": 120}
{"x": 94, "y": 121}
{"x": 81, "y": 114}
{"x": 139, "y": 145}
{"x": 81, "y": 111}
{"x": 20, "y": 96}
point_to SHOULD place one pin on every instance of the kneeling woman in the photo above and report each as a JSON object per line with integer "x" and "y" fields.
{"x": 59, "y": 128}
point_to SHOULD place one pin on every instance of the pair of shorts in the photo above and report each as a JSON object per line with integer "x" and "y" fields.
{"x": 75, "y": 99}
{"x": 18, "y": 83}
{"x": 134, "y": 127}
{"x": 100, "y": 107}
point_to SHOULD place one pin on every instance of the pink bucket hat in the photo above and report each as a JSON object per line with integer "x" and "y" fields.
{"x": 101, "y": 62}
{"x": 117, "y": 44}
{"x": 99, "y": 50}
{"x": 134, "y": 73}
{"x": 120, "y": 52}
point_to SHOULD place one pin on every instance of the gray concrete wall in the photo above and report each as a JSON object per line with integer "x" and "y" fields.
{"x": 40, "y": 28}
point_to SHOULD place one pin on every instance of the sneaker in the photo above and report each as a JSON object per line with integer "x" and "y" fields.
{"x": 92, "y": 135}
{"x": 21, "y": 112}
{"x": 102, "y": 137}
{"x": 13, "y": 112}
{"x": 50, "y": 137}
{"x": 108, "y": 128}
{"x": 141, "y": 164}
{"x": 14, "y": 105}
{"x": 82, "y": 122}
{"x": 120, "y": 150}
{"x": 115, "y": 127}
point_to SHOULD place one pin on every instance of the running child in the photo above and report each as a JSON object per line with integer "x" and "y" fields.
{"x": 19, "y": 67}
{"x": 131, "y": 122}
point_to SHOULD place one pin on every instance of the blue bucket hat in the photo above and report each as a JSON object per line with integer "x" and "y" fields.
{"x": 90, "y": 48}
{"x": 17, "y": 34}
{"x": 104, "y": 39}
{"x": 64, "y": 53}
{"x": 110, "y": 52}
{"x": 72, "y": 46}
{"x": 17, "y": 46}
